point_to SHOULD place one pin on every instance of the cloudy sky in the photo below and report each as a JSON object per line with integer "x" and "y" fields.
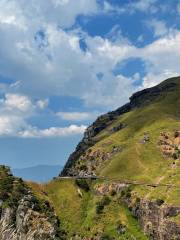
{"x": 64, "y": 62}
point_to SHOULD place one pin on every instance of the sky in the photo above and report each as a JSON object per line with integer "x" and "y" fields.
{"x": 64, "y": 62}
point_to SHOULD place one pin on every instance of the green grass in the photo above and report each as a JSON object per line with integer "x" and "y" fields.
{"x": 78, "y": 214}
{"x": 144, "y": 162}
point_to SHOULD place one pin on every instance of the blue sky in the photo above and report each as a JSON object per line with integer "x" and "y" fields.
{"x": 64, "y": 62}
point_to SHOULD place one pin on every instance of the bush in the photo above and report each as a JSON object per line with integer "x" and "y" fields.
{"x": 126, "y": 193}
{"x": 101, "y": 204}
{"x": 99, "y": 207}
{"x": 159, "y": 202}
{"x": 105, "y": 200}
{"x": 113, "y": 193}
{"x": 82, "y": 183}
{"x": 106, "y": 237}
{"x": 138, "y": 200}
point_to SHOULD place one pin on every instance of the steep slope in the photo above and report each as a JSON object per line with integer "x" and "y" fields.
{"x": 135, "y": 150}
{"x": 22, "y": 215}
{"x": 145, "y": 108}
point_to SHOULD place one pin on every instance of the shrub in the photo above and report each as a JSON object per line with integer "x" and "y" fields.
{"x": 138, "y": 200}
{"x": 99, "y": 207}
{"x": 113, "y": 192}
{"x": 159, "y": 202}
{"x": 105, "y": 200}
{"x": 82, "y": 183}
{"x": 106, "y": 237}
{"x": 126, "y": 193}
{"x": 101, "y": 204}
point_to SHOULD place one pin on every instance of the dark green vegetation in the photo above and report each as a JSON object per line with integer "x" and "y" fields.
{"x": 14, "y": 191}
{"x": 11, "y": 189}
{"x": 140, "y": 142}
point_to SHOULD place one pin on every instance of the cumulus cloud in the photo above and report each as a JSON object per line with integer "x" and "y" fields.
{"x": 131, "y": 7}
{"x": 15, "y": 109}
{"x": 77, "y": 116}
{"x": 45, "y": 59}
{"x": 17, "y": 102}
{"x": 143, "y": 5}
{"x": 159, "y": 27}
{"x": 41, "y": 51}
{"x": 42, "y": 103}
{"x": 61, "y": 12}
{"x": 52, "y": 132}
{"x": 162, "y": 58}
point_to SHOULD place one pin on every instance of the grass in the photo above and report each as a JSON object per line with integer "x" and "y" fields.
{"x": 78, "y": 215}
{"x": 145, "y": 162}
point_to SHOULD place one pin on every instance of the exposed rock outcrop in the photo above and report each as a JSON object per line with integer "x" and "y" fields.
{"x": 170, "y": 144}
{"x": 156, "y": 220}
{"x": 155, "y": 217}
{"x": 22, "y": 215}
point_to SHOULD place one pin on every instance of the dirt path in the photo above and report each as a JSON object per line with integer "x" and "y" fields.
{"x": 138, "y": 159}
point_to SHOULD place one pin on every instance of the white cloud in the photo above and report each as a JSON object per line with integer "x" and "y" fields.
{"x": 42, "y": 103}
{"x": 131, "y": 7}
{"x": 54, "y": 63}
{"x": 18, "y": 13}
{"x": 143, "y": 5}
{"x": 77, "y": 116}
{"x": 15, "y": 110}
{"x": 159, "y": 27}
{"x": 10, "y": 124}
{"x": 53, "y": 132}
{"x": 162, "y": 58}
{"x": 19, "y": 102}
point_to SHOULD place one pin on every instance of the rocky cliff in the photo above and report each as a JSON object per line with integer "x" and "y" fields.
{"x": 156, "y": 219}
{"x": 22, "y": 215}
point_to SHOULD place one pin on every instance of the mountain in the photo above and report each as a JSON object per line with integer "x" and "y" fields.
{"x": 136, "y": 152}
{"x": 122, "y": 181}
{"x": 39, "y": 173}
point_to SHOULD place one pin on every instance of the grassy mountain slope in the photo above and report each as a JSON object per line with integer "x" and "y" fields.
{"x": 139, "y": 142}
{"x": 137, "y": 161}
{"x": 79, "y": 216}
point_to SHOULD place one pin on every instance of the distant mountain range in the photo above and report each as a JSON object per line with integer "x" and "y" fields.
{"x": 39, "y": 173}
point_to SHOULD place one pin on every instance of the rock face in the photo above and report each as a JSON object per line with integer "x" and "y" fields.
{"x": 24, "y": 223}
{"x": 156, "y": 219}
{"x": 138, "y": 99}
{"x": 22, "y": 215}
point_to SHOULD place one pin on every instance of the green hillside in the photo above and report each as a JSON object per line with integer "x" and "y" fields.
{"x": 141, "y": 145}
{"x": 79, "y": 216}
